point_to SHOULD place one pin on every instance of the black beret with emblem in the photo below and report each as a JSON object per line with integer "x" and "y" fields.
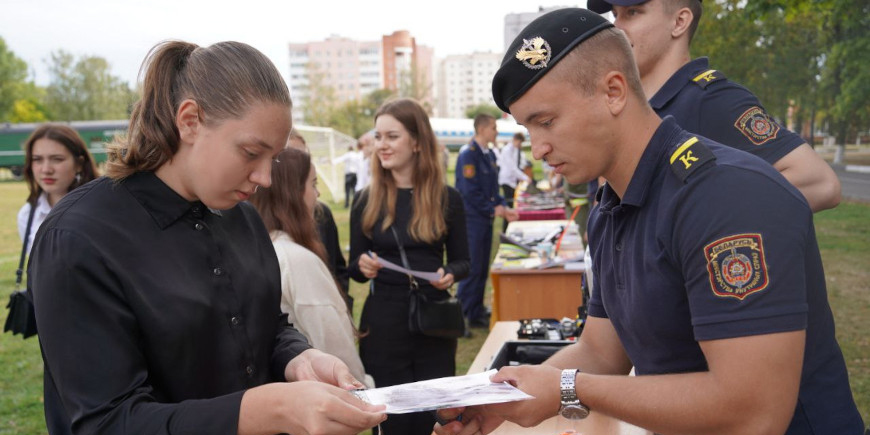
{"x": 604, "y": 6}
{"x": 538, "y": 48}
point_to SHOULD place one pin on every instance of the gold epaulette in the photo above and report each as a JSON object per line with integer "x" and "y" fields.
{"x": 707, "y": 77}
{"x": 690, "y": 156}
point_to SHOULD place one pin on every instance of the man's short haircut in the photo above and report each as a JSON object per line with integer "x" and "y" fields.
{"x": 672, "y": 6}
{"x": 482, "y": 120}
{"x": 606, "y": 51}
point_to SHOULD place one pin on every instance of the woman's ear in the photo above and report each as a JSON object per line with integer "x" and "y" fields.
{"x": 188, "y": 121}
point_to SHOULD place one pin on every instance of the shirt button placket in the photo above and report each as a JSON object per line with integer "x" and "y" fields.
{"x": 198, "y": 226}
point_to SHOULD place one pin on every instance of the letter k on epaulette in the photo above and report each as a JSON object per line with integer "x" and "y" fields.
{"x": 707, "y": 77}
{"x": 690, "y": 156}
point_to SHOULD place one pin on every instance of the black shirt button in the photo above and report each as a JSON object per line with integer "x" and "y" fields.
{"x": 236, "y": 320}
{"x": 619, "y": 246}
{"x": 198, "y": 226}
{"x": 218, "y": 271}
{"x": 249, "y": 370}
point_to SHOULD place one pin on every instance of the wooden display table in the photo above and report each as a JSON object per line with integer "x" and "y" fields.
{"x": 520, "y": 291}
{"x": 595, "y": 424}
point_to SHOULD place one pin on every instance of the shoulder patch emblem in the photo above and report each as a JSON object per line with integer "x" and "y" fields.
{"x": 690, "y": 156}
{"x": 707, "y": 77}
{"x": 468, "y": 171}
{"x": 757, "y": 126}
{"x": 736, "y": 266}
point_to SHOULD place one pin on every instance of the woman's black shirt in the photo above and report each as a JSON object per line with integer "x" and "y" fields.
{"x": 422, "y": 256}
{"x": 155, "y": 313}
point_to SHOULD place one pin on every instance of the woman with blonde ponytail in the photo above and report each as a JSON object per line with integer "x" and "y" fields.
{"x": 406, "y": 202}
{"x": 157, "y": 290}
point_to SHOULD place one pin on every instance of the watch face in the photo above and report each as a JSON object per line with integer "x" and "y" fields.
{"x": 574, "y": 412}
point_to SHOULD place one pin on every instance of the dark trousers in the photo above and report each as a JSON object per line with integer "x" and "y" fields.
{"x": 508, "y": 194}
{"x": 349, "y": 186}
{"x": 470, "y": 290}
{"x": 393, "y": 355}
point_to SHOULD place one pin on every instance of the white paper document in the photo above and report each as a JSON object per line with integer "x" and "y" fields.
{"x": 428, "y": 276}
{"x": 450, "y": 392}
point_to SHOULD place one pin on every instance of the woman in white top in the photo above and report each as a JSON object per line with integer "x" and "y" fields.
{"x": 56, "y": 161}
{"x": 310, "y": 294}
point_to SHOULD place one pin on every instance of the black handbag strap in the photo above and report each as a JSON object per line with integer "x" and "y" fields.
{"x": 414, "y": 285}
{"x": 20, "y": 271}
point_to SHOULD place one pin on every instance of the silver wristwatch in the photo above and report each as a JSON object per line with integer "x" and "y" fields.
{"x": 571, "y": 407}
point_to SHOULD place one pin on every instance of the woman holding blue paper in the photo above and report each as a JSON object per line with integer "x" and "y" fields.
{"x": 406, "y": 207}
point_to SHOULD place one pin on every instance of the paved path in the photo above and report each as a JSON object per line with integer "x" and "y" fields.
{"x": 855, "y": 182}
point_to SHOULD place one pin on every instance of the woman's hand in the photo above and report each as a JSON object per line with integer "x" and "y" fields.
{"x": 444, "y": 282}
{"x": 369, "y": 266}
{"x": 314, "y": 365}
{"x": 305, "y": 408}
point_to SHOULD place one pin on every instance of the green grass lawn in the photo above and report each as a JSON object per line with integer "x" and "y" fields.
{"x": 844, "y": 239}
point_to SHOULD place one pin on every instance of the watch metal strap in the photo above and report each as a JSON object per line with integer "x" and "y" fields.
{"x": 566, "y": 385}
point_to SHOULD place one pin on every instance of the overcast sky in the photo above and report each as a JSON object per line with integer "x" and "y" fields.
{"x": 122, "y": 31}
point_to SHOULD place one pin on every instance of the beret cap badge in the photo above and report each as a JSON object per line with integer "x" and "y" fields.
{"x": 535, "y": 53}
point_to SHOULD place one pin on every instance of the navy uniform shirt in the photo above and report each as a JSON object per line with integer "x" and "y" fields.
{"x": 705, "y": 102}
{"x": 477, "y": 181}
{"x": 155, "y": 314}
{"x": 711, "y": 243}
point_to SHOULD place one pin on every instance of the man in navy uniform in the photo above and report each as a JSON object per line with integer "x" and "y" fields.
{"x": 704, "y": 101}
{"x": 477, "y": 181}
{"x": 708, "y": 276}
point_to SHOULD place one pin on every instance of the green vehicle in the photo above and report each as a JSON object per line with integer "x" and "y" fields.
{"x": 96, "y": 135}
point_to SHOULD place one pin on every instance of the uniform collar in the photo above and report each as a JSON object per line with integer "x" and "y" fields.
{"x": 680, "y": 79}
{"x": 648, "y": 168}
{"x": 477, "y": 146}
{"x": 163, "y": 204}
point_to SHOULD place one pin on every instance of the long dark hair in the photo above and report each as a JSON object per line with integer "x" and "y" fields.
{"x": 71, "y": 140}
{"x": 282, "y": 206}
{"x": 225, "y": 79}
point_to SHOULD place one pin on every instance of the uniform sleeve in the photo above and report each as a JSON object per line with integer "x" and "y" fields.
{"x": 458, "y": 259}
{"x": 469, "y": 185}
{"x": 742, "y": 253}
{"x": 89, "y": 338}
{"x": 359, "y": 243}
{"x": 733, "y": 116}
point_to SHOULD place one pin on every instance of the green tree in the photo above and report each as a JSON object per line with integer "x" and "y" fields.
{"x": 415, "y": 85}
{"x": 318, "y": 100}
{"x": 843, "y": 80}
{"x": 13, "y": 75}
{"x": 488, "y": 109}
{"x": 27, "y": 110}
{"x": 29, "y": 106}
{"x": 85, "y": 89}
